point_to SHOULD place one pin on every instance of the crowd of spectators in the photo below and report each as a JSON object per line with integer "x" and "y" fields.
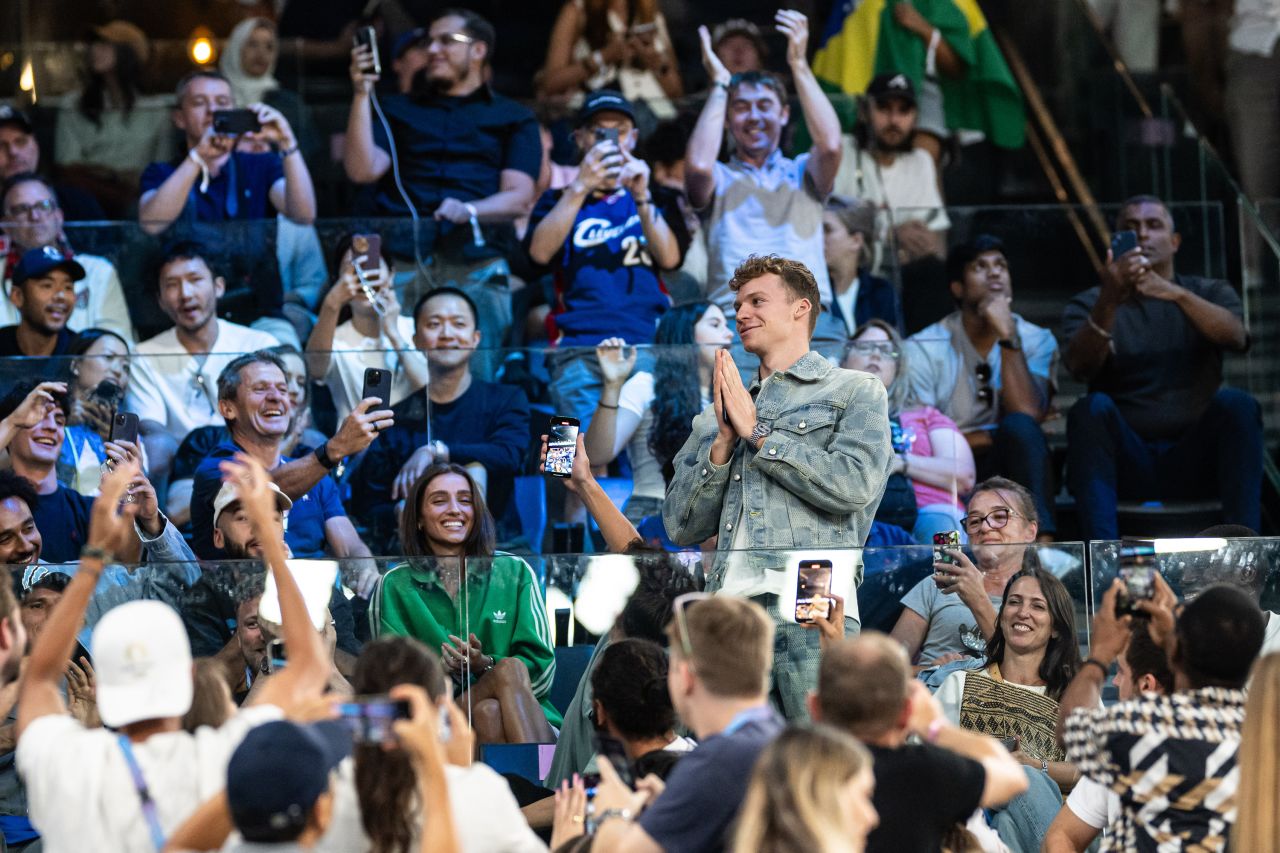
{"x": 764, "y": 329}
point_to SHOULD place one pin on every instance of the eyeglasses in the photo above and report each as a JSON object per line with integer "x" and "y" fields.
{"x": 996, "y": 519}
{"x": 447, "y": 40}
{"x": 884, "y": 349}
{"x": 985, "y": 392}
{"x": 28, "y": 211}
{"x": 679, "y": 606}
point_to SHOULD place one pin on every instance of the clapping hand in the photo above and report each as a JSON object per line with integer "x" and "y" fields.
{"x": 795, "y": 26}
{"x": 715, "y": 68}
{"x": 616, "y": 361}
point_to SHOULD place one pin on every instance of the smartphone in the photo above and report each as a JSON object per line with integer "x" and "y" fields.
{"x": 1123, "y": 242}
{"x": 277, "y": 655}
{"x": 109, "y": 392}
{"x": 377, "y": 383}
{"x": 813, "y": 585}
{"x": 943, "y": 541}
{"x": 611, "y": 749}
{"x": 367, "y": 37}
{"x": 607, "y": 133}
{"x": 562, "y": 446}
{"x": 235, "y": 122}
{"x": 1139, "y": 585}
{"x": 366, "y": 252}
{"x": 124, "y": 427}
{"x": 371, "y": 718}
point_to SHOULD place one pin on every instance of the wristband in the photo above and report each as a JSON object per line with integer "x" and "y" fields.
{"x": 1044, "y": 765}
{"x": 204, "y": 169}
{"x": 935, "y": 728}
{"x": 1010, "y": 343}
{"x": 1105, "y": 670}
{"x": 606, "y": 406}
{"x": 321, "y": 454}
{"x": 289, "y": 151}
{"x": 1093, "y": 324}
{"x": 477, "y": 236}
{"x": 441, "y": 451}
{"x": 625, "y": 814}
{"x": 93, "y": 552}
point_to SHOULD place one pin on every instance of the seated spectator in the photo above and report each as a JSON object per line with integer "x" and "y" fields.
{"x": 174, "y": 389}
{"x": 885, "y": 167}
{"x": 482, "y": 425}
{"x": 468, "y": 162}
{"x": 216, "y": 183}
{"x": 245, "y": 658}
{"x": 410, "y": 56}
{"x": 143, "y": 665}
{"x": 649, "y": 414}
{"x": 952, "y": 613}
{"x": 13, "y": 634}
{"x": 1244, "y": 564}
{"x": 253, "y": 397}
{"x": 811, "y": 790}
{"x": 99, "y": 380}
{"x": 990, "y": 371}
{"x": 43, "y": 292}
{"x": 857, "y": 296}
{"x": 739, "y": 46}
{"x": 33, "y": 220}
{"x": 631, "y": 704}
{"x": 109, "y": 131}
{"x": 721, "y": 656}
{"x": 618, "y": 46}
{"x": 762, "y": 202}
{"x": 20, "y": 154}
{"x": 374, "y": 804}
{"x": 608, "y": 235}
{"x": 1183, "y": 746}
{"x": 352, "y": 333}
{"x": 1031, "y": 658}
{"x": 922, "y": 789}
{"x": 1157, "y": 423}
{"x": 931, "y": 458}
{"x": 503, "y": 667}
{"x": 1141, "y": 670}
{"x": 1255, "y": 826}
{"x": 248, "y": 62}
{"x": 302, "y": 437}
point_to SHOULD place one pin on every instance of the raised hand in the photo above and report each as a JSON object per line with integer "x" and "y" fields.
{"x": 795, "y": 26}
{"x": 616, "y": 360}
{"x": 36, "y": 405}
{"x": 600, "y": 166}
{"x": 735, "y": 397}
{"x": 111, "y": 520}
{"x": 360, "y": 428}
{"x": 275, "y": 127}
{"x": 581, "y": 475}
{"x": 362, "y": 80}
{"x": 715, "y": 68}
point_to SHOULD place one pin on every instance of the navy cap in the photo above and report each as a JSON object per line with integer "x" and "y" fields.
{"x": 36, "y": 263}
{"x": 12, "y": 115}
{"x": 892, "y": 84}
{"x": 278, "y": 772}
{"x": 605, "y": 100}
{"x": 407, "y": 40}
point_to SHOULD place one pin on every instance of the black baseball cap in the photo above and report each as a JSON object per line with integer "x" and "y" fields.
{"x": 408, "y": 40}
{"x": 892, "y": 84}
{"x": 278, "y": 772}
{"x": 605, "y": 100}
{"x": 14, "y": 116}
{"x": 35, "y": 263}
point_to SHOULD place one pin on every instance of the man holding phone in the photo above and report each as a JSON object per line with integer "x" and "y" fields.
{"x": 798, "y": 461}
{"x": 1157, "y": 423}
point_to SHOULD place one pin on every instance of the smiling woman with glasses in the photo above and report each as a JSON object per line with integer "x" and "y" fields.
{"x": 933, "y": 465}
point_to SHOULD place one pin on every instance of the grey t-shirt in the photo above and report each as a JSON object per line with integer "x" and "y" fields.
{"x": 1163, "y": 372}
{"x": 947, "y": 616}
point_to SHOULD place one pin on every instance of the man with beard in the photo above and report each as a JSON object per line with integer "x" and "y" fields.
{"x": 760, "y": 201}
{"x": 902, "y": 181}
{"x": 467, "y": 160}
{"x": 990, "y": 371}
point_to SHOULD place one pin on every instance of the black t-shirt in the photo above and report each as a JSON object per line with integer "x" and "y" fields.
{"x": 9, "y": 343}
{"x": 921, "y": 792}
{"x": 1163, "y": 372}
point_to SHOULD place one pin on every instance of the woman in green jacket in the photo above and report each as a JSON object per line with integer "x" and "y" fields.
{"x": 504, "y": 669}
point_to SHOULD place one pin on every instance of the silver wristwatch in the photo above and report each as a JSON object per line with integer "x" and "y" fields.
{"x": 759, "y": 433}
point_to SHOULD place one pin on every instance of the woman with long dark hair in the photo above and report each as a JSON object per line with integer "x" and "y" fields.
{"x": 99, "y": 368}
{"x": 650, "y": 414}
{"x": 482, "y": 608}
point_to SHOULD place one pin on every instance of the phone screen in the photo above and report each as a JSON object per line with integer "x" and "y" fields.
{"x": 562, "y": 446}
{"x": 945, "y": 540}
{"x": 371, "y": 718}
{"x": 278, "y": 655}
{"x": 813, "y": 585}
{"x": 377, "y": 383}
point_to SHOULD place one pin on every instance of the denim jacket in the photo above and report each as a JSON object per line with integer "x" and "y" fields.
{"x": 815, "y": 482}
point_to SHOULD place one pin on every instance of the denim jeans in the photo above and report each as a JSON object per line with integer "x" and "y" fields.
{"x": 1220, "y": 455}
{"x": 1021, "y": 453}
{"x": 796, "y": 654}
{"x": 1024, "y": 821}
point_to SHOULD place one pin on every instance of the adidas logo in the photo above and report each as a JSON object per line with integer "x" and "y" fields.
{"x": 500, "y": 617}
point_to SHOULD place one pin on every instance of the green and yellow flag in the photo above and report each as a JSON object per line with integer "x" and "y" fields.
{"x": 864, "y": 40}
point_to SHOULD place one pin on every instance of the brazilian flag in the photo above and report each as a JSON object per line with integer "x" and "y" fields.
{"x": 864, "y": 41}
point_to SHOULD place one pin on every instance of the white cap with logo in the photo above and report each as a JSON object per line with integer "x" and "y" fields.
{"x": 143, "y": 663}
{"x": 229, "y": 494}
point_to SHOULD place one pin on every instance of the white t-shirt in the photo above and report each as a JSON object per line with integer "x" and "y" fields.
{"x": 847, "y": 301}
{"x": 353, "y": 352}
{"x": 1271, "y": 637}
{"x": 100, "y": 301}
{"x": 908, "y": 186}
{"x": 646, "y": 474}
{"x": 81, "y": 795}
{"x": 951, "y": 694}
{"x": 163, "y": 386}
{"x": 1093, "y": 803}
{"x": 485, "y": 814}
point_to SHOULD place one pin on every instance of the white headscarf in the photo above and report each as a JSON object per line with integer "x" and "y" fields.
{"x": 245, "y": 89}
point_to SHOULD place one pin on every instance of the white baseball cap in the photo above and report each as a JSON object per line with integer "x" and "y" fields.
{"x": 143, "y": 663}
{"x": 229, "y": 494}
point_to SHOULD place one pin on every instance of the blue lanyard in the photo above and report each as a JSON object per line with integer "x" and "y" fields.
{"x": 750, "y": 715}
{"x": 148, "y": 805}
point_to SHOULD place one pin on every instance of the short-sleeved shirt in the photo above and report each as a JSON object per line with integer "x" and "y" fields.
{"x": 646, "y": 472}
{"x": 63, "y": 521}
{"x": 9, "y": 347}
{"x": 948, "y": 619}
{"x": 943, "y": 370}
{"x": 1163, "y": 371}
{"x": 606, "y": 281}
{"x": 352, "y": 352}
{"x": 706, "y": 789}
{"x": 241, "y": 189}
{"x": 921, "y": 792}
{"x": 773, "y": 209}
{"x": 1093, "y": 804}
{"x": 917, "y": 423}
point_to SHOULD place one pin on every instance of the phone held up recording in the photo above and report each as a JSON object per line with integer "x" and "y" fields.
{"x": 562, "y": 446}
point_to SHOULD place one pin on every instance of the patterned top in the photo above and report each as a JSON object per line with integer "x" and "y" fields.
{"x": 1171, "y": 760}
